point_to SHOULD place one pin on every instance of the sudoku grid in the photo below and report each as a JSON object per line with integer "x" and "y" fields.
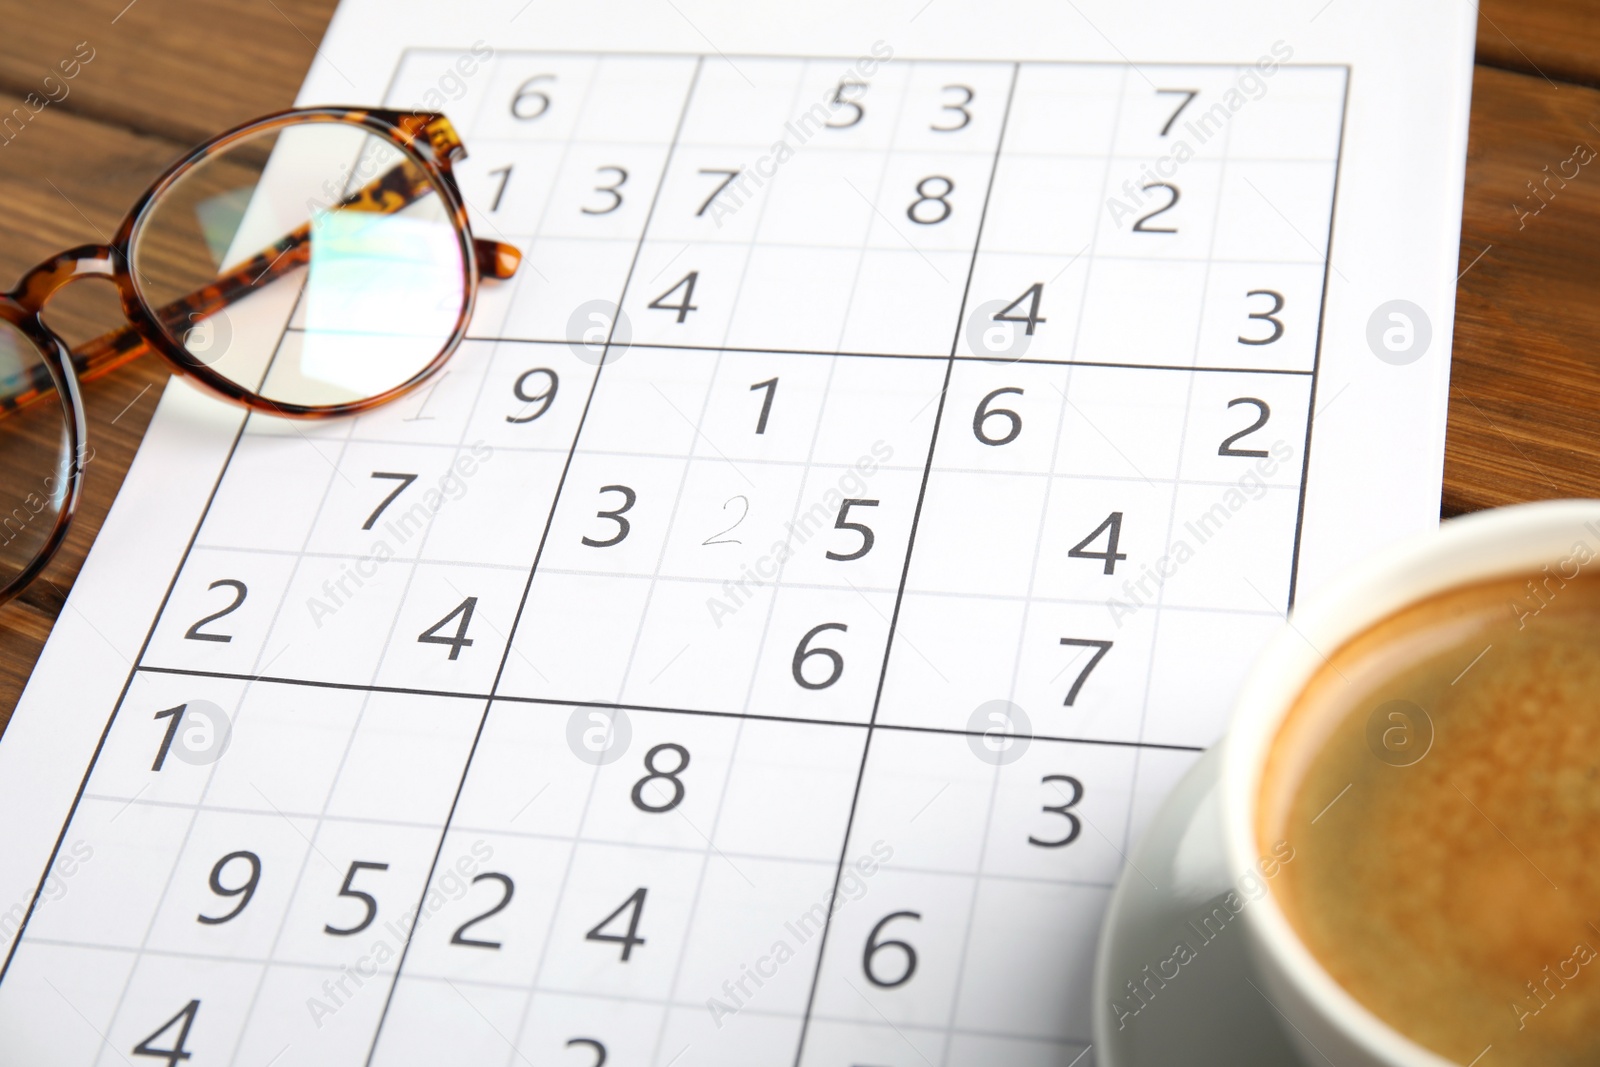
{"x": 781, "y": 675}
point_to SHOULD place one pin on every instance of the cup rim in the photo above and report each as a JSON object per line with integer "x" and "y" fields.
{"x": 1481, "y": 546}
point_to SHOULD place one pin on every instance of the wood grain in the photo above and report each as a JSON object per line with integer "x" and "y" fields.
{"x": 176, "y": 68}
{"x": 1525, "y": 388}
{"x": 1554, "y": 39}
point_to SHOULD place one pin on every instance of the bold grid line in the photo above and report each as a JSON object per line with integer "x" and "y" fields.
{"x": 881, "y": 246}
{"x": 665, "y": 346}
{"x": 732, "y": 146}
{"x": 504, "y": 698}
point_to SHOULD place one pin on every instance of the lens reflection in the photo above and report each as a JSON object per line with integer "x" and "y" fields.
{"x": 315, "y": 264}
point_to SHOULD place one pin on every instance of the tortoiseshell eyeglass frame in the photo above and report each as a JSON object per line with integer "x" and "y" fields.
{"x": 426, "y": 139}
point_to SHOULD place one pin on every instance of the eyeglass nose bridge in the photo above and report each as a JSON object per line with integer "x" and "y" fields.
{"x": 54, "y": 274}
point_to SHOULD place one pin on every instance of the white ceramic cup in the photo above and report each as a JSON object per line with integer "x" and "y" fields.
{"x": 1327, "y": 1023}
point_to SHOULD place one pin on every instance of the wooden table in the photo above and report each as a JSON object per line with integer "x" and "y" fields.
{"x": 1525, "y": 393}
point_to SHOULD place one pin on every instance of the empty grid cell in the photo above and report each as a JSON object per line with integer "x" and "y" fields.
{"x": 558, "y": 287}
{"x": 1142, "y": 311}
{"x": 451, "y": 81}
{"x": 113, "y": 899}
{"x": 575, "y": 637}
{"x": 935, "y": 677}
{"x": 1275, "y": 211}
{"x": 59, "y": 999}
{"x": 526, "y": 777}
{"x": 795, "y": 297}
{"x": 832, "y": 1042}
{"x": 299, "y": 469}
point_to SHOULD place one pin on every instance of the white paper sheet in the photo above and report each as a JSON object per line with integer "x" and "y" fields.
{"x": 833, "y": 637}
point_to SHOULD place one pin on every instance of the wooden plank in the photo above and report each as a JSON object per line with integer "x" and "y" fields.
{"x": 1555, "y": 39}
{"x": 1525, "y": 391}
{"x": 183, "y": 69}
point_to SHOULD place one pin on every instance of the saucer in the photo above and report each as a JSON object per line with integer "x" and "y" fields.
{"x": 1200, "y": 1004}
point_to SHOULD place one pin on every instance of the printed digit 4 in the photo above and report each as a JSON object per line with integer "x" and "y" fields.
{"x": 175, "y": 1053}
{"x": 635, "y": 906}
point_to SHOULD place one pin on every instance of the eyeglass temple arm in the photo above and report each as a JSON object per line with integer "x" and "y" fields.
{"x": 392, "y": 192}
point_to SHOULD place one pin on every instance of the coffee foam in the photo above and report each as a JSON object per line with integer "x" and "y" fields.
{"x": 1457, "y": 897}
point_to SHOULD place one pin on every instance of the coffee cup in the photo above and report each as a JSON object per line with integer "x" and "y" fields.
{"x": 1326, "y": 1022}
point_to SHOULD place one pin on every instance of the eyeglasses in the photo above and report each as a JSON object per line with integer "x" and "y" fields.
{"x": 313, "y": 263}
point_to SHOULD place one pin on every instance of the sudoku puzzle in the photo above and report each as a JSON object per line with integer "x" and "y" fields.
{"x": 762, "y": 642}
